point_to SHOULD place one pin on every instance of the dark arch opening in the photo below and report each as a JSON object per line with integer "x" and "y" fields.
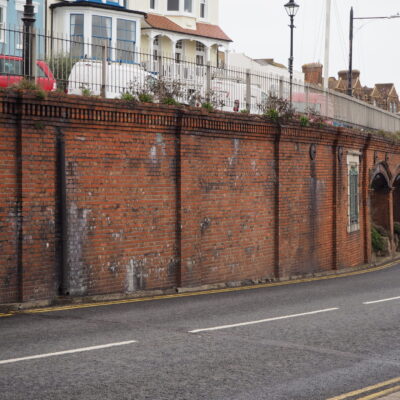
{"x": 396, "y": 199}
{"x": 381, "y": 211}
{"x": 380, "y": 197}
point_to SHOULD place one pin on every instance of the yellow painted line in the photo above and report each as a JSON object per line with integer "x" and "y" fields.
{"x": 380, "y": 394}
{"x": 202, "y": 293}
{"x": 367, "y": 389}
{"x": 6, "y": 315}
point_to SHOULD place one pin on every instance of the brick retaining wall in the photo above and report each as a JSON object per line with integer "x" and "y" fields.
{"x": 162, "y": 197}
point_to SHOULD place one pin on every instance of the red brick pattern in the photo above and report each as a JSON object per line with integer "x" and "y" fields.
{"x": 162, "y": 197}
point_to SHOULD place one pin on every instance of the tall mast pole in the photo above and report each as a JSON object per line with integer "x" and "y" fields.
{"x": 327, "y": 42}
{"x": 350, "y": 77}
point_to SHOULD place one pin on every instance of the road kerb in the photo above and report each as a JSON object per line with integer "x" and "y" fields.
{"x": 199, "y": 293}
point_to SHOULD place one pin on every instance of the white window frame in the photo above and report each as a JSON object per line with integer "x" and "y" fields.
{"x": 353, "y": 161}
{"x": 174, "y": 11}
{"x": 204, "y": 6}
{"x": 181, "y": 10}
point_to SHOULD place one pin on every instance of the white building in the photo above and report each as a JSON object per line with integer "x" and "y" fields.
{"x": 264, "y": 65}
{"x": 180, "y": 29}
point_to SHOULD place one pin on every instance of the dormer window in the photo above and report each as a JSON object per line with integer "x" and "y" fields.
{"x": 173, "y": 5}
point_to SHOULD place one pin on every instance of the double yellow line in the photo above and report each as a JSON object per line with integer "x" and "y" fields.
{"x": 198, "y": 293}
{"x": 373, "y": 388}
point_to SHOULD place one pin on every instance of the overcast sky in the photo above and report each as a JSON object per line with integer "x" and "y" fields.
{"x": 260, "y": 29}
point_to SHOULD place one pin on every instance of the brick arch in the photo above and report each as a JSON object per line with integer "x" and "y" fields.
{"x": 396, "y": 177}
{"x": 382, "y": 169}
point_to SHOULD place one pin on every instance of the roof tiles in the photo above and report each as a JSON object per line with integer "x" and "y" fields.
{"x": 205, "y": 30}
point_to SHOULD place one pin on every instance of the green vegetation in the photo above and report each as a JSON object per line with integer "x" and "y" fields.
{"x": 61, "y": 66}
{"x": 304, "y": 121}
{"x": 145, "y": 98}
{"x": 30, "y": 85}
{"x": 171, "y": 101}
{"x": 129, "y": 97}
{"x": 207, "y": 106}
{"x": 378, "y": 242}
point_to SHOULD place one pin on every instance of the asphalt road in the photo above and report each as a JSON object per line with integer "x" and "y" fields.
{"x": 306, "y": 341}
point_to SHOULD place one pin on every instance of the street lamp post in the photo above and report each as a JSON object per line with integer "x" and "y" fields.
{"x": 352, "y": 18}
{"x": 291, "y": 8}
{"x": 29, "y": 21}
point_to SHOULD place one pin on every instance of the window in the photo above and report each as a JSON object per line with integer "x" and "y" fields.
{"x": 13, "y": 67}
{"x": 200, "y": 53}
{"x": 178, "y": 51}
{"x": 188, "y": 6}
{"x": 203, "y": 6}
{"x": 20, "y": 28}
{"x": 126, "y": 40}
{"x": 10, "y": 67}
{"x": 101, "y": 35}
{"x": 2, "y": 23}
{"x": 200, "y": 47}
{"x": 76, "y": 30}
{"x": 152, "y": 4}
{"x": 173, "y": 5}
{"x": 353, "y": 160}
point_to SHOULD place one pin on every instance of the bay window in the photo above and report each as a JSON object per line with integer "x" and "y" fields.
{"x": 126, "y": 40}
{"x": 76, "y": 29}
{"x": 101, "y": 34}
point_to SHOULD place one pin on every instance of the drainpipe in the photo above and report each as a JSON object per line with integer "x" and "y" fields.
{"x": 62, "y": 214}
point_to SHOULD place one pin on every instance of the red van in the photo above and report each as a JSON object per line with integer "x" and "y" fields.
{"x": 11, "y": 68}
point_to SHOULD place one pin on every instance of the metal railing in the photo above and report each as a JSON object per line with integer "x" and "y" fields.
{"x": 100, "y": 67}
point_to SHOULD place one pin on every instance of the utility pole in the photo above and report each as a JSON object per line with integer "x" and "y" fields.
{"x": 327, "y": 43}
{"x": 352, "y": 18}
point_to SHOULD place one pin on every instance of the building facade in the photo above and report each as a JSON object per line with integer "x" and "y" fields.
{"x": 179, "y": 29}
{"x": 11, "y": 13}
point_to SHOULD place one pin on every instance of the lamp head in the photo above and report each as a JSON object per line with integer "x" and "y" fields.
{"x": 291, "y": 8}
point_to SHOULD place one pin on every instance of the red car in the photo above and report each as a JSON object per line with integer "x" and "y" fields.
{"x": 11, "y": 68}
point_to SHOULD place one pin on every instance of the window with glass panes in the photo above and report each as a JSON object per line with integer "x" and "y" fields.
{"x": 203, "y": 5}
{"x": 126, "y": 40}
{"x": 178, "y": 51}
{"x": 353, "y": 167}
{"x": 153, "y": 4}
{"x": 2, "y": 25}
{"x": 188, "y": 6}
{"x": 76, "y": 29}
{"x": 173, "y": 5}
{"x": 20, "y": 27}
{"x": 101, "y": 35}
{"x": 353, "y": 182}
{"x": 200, "y": 52}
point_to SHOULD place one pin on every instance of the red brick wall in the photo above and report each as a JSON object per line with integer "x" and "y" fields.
{"x": 8, "y": 209}
{"x": 160, "y": 197}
